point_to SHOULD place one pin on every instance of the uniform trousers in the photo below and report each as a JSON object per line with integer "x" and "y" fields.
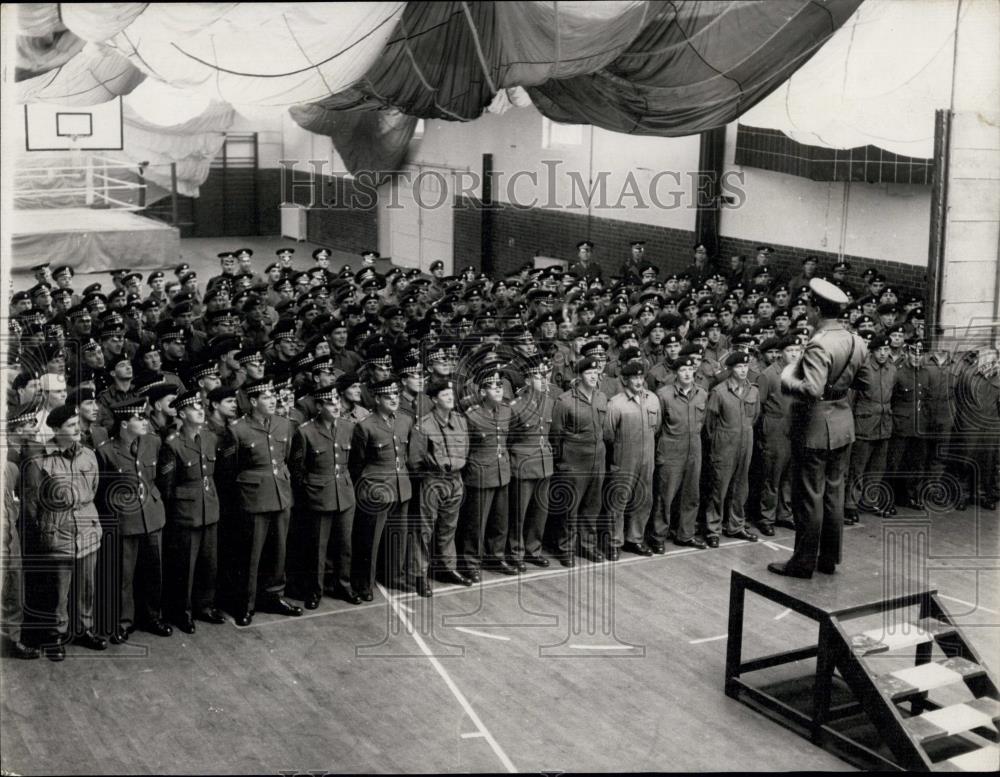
{"x": 264, "y": 543}
{"x": 630, "y": 497}
{"x": 66, "y": 596}
{"x": 577, "y": 493}
{"x": 818, "y": 505}
{"x": 679, "y": 480}
{"x": 776, "y": 485}
{"x": 530, "y": 508}
{"x": 866, "y": 474}
{"x": 979, "y": 467}
{"x": 482, "y": 527}
{"x": 191, "y": 566}
{"x": 142, "y": 567}
{"x": 907, "y": 462}
{"x": 370, "y": 521}
{"x": 432, "y": 541}
{"x": 318, "y": 529}
{"x": 730, "y": 463}
{"x": 12, "y": 592}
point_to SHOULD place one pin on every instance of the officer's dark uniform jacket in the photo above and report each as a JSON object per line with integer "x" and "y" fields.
{"x": 187, "y": 478}
{"x": 129, "y": 496}
{"x": 909, "y": 400}
{"x": 577, "y": 431}
{"x": 528, "y": 440}
{"x": 320, "y": 461}
{"x": 258, "y": 456}
{"x": 488, "y": 465}
{"x": 380, "y": 451}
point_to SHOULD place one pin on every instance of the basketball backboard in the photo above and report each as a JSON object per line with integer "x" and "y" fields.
{"x": 50, "y": 127}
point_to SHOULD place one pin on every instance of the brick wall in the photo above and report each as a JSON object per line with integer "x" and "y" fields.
{"x": 520, "y": 233}
{"x": 351, "y": 229}
{"x": 788, "y": 261}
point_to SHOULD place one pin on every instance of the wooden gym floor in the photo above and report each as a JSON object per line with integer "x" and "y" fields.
{"x": 610, "y": 668}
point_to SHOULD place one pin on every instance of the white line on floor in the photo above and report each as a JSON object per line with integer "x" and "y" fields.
{"x": 777, "y": 546}
{"x": 782, "y": 614}
{"x": 459, "y": 696}
{"x": 450, "y": 590}
{"x": 406, "y": 607}
{"x": 472, "y": 735}
{"x": 475, "y": 633}
{"x": 601, "y": 647}
{"x": 969, "y": 604}
{"x": 707, "y": 639}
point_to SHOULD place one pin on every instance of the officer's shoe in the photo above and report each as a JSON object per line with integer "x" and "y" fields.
{"x": 90, "y": 641}
{"x": 17, "y": 649}
{"x": 782, "y": 568}
{"x": 637, "y": 548}
{"x": 311, "y": 601}
{"x": 742, "y": 534}
{"x": 694, "y": 542}
{"x": 366, "y": 596}
{"x": 279, "y": 606}
{"x": 452, "y": 577}
{"x": 538, "y": 561}
{"x": 851, "y": 517}
{"x": 118, "y": 637}
{"x": 55, "y": 652}
{"x": 473, "y": 575}
{"x": 989, "y": 504}
{"x": 211, "y": 615}
{"x": 346, "y": 594}
{"x": 890, "y": 510}
{"x": 159, "y": 627}
{"x": 826, "y": 567}
{"x": 613, "y": 554}
{"x": 518, "y": 564}
{"x": 591, "y": 554}
{"x": 499, "y": 565}
{"x": 568, "y": 559}
{"x": 658, "y": 548}
{"x": 423, "y": 586}
{"x": 712, "y": 540}
{"x": 784, "y": 523}
{"x": 243, "y": 618}
{"x": 766, "y": 529}
{"x": 185, "y": 623}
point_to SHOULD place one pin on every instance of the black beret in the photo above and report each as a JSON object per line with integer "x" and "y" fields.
{"x": 60, "y": 415}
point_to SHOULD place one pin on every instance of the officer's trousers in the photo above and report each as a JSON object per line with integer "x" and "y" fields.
{"x": 730, "y": 463}
{"x": 319, "y": 528}
{"x": 907, "y": 465}
{"x": 191, "y": 566}
{"x": 482, "y": 527}
{"x": 530, "y": 508}
{"x": 865, "y": 481}
{"x": 265, "y": 536}
{"x": 679, "y": 480}
{"x": 142, "y": 558}
{"x": 370, "y": 522}
{"x": 776, "y": 488}
{"x": 818, "y": 505}
{"x": 435, "y": 524}
{"x": 576, "y": 493}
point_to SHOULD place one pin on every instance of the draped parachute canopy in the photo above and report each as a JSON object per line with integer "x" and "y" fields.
{"x": 636, "y": 66}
